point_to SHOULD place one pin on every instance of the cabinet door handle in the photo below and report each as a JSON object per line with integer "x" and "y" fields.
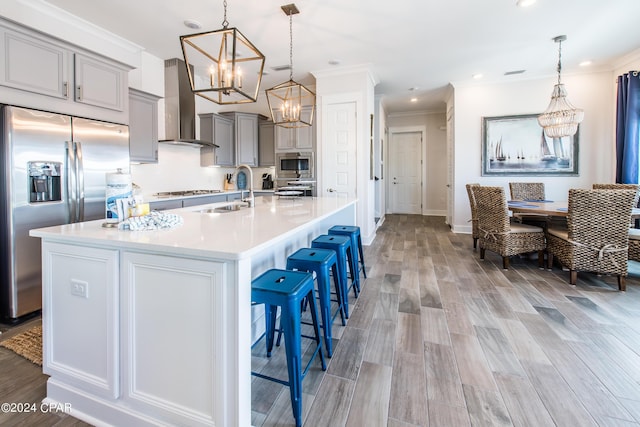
{"x": 79, "y": 93}
{"x": 65, "y": 89}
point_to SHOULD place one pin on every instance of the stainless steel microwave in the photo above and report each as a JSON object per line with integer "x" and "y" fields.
{"x": 295, "y": 165}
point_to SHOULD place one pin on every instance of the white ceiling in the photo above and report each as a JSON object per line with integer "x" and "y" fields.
{"x": 423, "y": 44}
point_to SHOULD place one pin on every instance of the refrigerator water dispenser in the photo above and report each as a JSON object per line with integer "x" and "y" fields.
{"x": 44, "y": 182}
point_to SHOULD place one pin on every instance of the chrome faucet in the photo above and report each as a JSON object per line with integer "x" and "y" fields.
{"x": 250, "y": 200}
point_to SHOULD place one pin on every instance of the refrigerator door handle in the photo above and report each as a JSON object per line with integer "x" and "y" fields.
{"x": 80, "y": 178}
{"x": 71, "y": 181}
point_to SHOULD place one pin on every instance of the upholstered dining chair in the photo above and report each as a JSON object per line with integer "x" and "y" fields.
{"x": 597, "y": 234}
{"x": 474, "y": 214}
{"x": 498, "y": 234}
{"x": 529, "y": 191}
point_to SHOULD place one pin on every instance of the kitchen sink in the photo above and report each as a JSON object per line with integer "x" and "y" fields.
{"x": 223, "y": 209}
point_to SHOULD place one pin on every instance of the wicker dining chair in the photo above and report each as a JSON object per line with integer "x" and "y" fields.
{"x": 474, "y": 214}
{"x": 597, "y": 234}
{"x": 634, "y": 244}
{"x": 529, "y": 191}
{"x": 498, "y": 235}
{"x": 634, "y": 187}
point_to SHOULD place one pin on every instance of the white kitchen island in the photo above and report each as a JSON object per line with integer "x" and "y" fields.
{"x": 155, "y": 327}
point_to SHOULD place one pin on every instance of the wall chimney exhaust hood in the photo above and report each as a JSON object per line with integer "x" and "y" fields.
{"x": 180, "y": 106}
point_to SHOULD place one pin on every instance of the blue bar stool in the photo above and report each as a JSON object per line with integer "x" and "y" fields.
{"x": 342, "y": 246}
{"x": 287, "y": 289}
{"x": 352, "y": 231}
{"x": 321, "y": 261}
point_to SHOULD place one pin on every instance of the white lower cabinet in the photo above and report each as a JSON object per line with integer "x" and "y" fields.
{"x": 171, "y": 337}
{"x": 80, "y": 317}
{"x": 136, "y": 338}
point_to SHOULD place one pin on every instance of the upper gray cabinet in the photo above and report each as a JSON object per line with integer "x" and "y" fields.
{"x": 219, "y": 130}
{"x": 295, "y": 139}
{"x": 266, "y": 141}
{"x": 99, "y": 83}
{"x": 143, "y": 126}
{"x": 246, "y": 137}
{"x": 36, "y": 64}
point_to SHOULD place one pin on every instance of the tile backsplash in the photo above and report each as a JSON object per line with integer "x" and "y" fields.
{"x": 178, "y": 168}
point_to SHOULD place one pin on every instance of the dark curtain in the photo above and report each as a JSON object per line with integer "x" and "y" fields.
{"x": 628, "y": 128}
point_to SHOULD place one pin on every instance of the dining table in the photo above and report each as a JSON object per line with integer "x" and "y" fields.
{"x": 548, "y": 207}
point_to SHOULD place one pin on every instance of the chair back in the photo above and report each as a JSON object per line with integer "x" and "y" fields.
{"x": 473, "y": 205}
{"x": 491, "y": 204}
{"x": 634, "y": 187}
{"x": 597, "y": 218}
{"x": 527, "y": 190}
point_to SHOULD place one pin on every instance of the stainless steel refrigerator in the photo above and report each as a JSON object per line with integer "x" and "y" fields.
{"x": 53, "y": 172}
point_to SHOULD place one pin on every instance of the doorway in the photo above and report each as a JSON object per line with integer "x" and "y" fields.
{"x": 406, "y": 173}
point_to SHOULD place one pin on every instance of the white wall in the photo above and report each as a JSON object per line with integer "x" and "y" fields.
{"x": 178, "y": 168}
{"x": 592, "y": 92}
{"x": 435, "y": 187}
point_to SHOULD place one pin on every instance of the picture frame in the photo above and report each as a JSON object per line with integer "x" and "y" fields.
{"x": 517, "y": 145}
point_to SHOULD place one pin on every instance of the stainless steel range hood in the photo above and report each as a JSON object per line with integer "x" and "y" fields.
{"x": 180, "y": 106}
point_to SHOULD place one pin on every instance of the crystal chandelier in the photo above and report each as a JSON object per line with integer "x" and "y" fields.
{"x": 291, "y": 104}
{"x": 223, "y": 65}
{"x": 560, "y": 118}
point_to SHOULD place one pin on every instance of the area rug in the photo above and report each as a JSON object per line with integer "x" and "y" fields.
{"x": 27, "y": 344}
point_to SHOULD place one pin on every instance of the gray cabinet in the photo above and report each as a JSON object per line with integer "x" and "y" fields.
{"x": 294, "y": 139}
{"x": 205, "y": 200}
{"x": 35, "y": 65}
{"x": 161, "y": 205}
{"x": 246, "y": 137}
{"x": 219, "y": 130}
{"x": 30, "y": 61}
{"x": 99, "y": 83}
{"x": 266, "y": 144}
{"x": 143, "y": 126}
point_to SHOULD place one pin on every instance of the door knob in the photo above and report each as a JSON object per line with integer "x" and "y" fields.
{"x": 331, "y": 190}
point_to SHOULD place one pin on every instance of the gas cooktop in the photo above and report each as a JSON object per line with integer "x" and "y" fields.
{"x": 186, "y": 193}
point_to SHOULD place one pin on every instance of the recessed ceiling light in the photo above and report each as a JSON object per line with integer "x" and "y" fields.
{"x": 192, "y": 23}
{"x": 414, "y": 99}
{"x": 477, "y": 76}
{"x": 585, "y": 63}
{"x": 525, "y": 3}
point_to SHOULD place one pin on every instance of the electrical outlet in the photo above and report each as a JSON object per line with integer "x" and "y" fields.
{"x": 79, "y": 288}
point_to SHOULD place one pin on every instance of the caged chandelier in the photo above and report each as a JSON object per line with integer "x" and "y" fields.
{"x": 223, "y": 65}
{"x": 291, "y": 104}
{"x": 560, "y": 118}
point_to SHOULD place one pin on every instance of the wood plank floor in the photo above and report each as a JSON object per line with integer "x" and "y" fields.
{"x": 439, "y": 338}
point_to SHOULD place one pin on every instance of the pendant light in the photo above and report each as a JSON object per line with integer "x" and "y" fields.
{"x": 223, "y": 65}
{"x": 560, "y": 118}
{"x": 291, "y": 104}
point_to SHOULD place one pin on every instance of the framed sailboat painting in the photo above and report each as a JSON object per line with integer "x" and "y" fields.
{"x": 517, "y": 145}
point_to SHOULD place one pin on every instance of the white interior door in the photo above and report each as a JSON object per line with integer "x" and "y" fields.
{"x": 339, "y": 150}
{"x": 405, "y": 172}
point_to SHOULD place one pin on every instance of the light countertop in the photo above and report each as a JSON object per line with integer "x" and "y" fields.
{"x": 230, "y": 235}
